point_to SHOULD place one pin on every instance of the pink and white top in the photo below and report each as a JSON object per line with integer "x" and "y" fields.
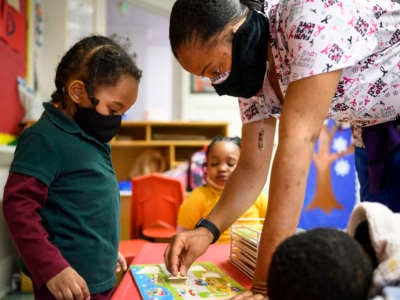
{"x": 311, "y": 37}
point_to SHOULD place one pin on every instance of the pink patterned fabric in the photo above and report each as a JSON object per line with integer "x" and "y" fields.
{"x": 312, "y": 37}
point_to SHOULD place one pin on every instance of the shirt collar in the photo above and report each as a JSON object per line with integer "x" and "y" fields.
{"x": 66, "y": 123}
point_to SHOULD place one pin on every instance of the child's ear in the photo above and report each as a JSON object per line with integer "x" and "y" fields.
{"x": 77, "y": 91}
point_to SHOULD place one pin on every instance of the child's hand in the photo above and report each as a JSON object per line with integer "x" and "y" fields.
{"x": 68, "y": 285}
{"x": 121, "y": 263}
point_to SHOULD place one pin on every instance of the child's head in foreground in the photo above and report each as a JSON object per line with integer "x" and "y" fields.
{"x": 318, "y": 264}
{"x": 222, "y": 155}
{"x": 96, "y": 83}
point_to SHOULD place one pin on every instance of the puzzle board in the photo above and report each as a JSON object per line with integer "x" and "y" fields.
{"x": 204, "y": 280}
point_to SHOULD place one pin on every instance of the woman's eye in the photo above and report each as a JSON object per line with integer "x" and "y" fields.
{"x": 216, "y": 75}
{"x": 220, "y": 77}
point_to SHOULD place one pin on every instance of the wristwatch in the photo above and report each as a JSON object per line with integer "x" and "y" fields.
{"x": 211, "y": 227}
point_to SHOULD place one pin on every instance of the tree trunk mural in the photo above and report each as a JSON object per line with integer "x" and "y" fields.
{"x": 324, "y": 197}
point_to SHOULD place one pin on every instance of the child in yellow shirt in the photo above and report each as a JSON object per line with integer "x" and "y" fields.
{"x": 222, "y": 155}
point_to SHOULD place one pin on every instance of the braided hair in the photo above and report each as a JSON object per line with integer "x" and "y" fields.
{"x": 96, "y": 60}
{"x": 219, "y": 138}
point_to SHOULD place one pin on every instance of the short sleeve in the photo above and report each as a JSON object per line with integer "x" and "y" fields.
{"x": 262, "y": 106}
{"x": 35, "y": 156}
{"x": 317, "y": 42}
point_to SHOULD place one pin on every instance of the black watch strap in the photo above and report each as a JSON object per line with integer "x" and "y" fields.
{"x": 211, "y": 227}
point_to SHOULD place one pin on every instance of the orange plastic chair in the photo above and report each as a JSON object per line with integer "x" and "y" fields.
{"x": 155, "y": 203}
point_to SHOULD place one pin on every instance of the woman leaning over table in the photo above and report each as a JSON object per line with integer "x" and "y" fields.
{"x": 301, "y": 61}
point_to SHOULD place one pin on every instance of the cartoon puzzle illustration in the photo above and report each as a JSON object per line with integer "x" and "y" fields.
{"x": 203, "y": 281}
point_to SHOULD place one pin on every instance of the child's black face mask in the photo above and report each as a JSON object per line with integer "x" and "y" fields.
{"x": 249, "y": 58}
{"x": 101, "y": 127}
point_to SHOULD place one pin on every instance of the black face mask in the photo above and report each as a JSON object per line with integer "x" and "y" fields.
{"x": 101, "y": 127}
{"x": 249, "y": 58}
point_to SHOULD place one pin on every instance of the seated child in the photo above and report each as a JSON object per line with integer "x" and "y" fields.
{"x": 222, "y": 155}
{"x": 327, "y": 263}
{"x": 321, "y": 263}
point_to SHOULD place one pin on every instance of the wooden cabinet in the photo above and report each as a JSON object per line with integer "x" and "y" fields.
{"x": 175, "y": 140}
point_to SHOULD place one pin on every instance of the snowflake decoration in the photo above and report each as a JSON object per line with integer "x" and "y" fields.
{"x": 342, "y": 167}
{"x": 339, "y": 144}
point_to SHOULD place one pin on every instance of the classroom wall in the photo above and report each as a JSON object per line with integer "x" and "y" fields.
{"x": 148, "y": 35}
{"x": 164, "y": 93}
{"x": 59, "y": 34}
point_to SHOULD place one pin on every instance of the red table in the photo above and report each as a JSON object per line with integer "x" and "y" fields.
{"x": 153, "y": 253}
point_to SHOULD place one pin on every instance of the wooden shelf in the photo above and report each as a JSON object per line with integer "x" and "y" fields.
{"x": 176, "y": 141}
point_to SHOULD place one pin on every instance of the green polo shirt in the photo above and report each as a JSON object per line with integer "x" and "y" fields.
{"x": 81, "y": 213}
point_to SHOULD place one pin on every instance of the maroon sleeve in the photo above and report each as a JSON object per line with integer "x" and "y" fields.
{"x": 23, "y": 197}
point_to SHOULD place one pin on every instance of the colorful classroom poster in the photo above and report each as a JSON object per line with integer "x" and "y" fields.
{"x": 331, "y": 186}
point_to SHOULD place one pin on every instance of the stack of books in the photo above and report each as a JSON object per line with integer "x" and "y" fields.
{"x": 245, "y": 236}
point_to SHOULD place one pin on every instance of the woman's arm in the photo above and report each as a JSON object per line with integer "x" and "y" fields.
{"x": 249, "y": 177}
{"x": 304, "y": 109}
{"x": 242, "y": 189}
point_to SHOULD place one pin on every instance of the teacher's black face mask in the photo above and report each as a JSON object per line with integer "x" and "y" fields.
{"x": 249, "y": 58}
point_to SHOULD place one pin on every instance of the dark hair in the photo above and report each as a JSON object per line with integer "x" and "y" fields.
{"x": 258, "y": 5}
{"x": 201, "y": 19}
{"x": 322, "y": 263}
{"x": 96, "y": 60}
{"x": 219, "y": 138}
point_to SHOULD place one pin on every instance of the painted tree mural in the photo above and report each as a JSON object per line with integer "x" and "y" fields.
{"x": 330, "y": 194}
{"x": 324, "y": 197}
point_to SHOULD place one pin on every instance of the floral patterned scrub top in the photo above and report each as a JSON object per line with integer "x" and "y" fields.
{"x": 310, "y": 37}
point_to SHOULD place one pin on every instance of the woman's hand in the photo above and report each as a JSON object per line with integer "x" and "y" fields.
{"x": 121, "y": 263}
{"x": 68, "y": 285}
{"x": 185, "y": 248}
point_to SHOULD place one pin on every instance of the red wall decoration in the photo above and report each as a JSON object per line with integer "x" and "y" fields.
{"x": 13, "y": 36}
